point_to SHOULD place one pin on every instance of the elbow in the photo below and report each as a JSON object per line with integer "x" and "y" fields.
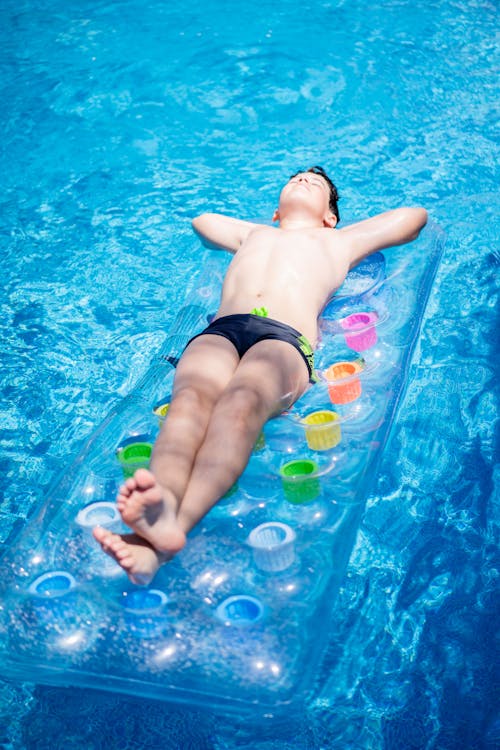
{"x": 421, "y": 217}
{"x": 203, "y": 223}
{"x": 417, "y": 219}
{"x": 197, "y": 222}
{"x": 200, "y": 225}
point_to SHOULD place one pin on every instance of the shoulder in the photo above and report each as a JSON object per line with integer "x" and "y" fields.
{"x": 336, "y": 251}
{"x": 336, "y": 242}
{"x": 258, "y": 234}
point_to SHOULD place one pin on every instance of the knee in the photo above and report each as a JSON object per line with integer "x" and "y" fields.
{"x": 191, "y": 399}
{"x": 244, "y": 406}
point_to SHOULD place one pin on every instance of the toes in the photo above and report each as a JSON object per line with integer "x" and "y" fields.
{"x": 144, "y": 479}
{"x": 109, "y": 542}
{"x": 137, "y": 498}
{"x": 98, "y": 533}
{"x": 129, "y": 513}
{"x": 125, "y": 559}
{"x": 129, "y": 553}
{"x": 121, "y": 551}
{"x": 127, "y": 487}
{"x": 121, "y": 501}
{"x": 117, "y": 545}
{"x": 101, "y": 535}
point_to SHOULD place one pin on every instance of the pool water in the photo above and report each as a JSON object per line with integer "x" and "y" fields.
{"x": 120, "y": 122}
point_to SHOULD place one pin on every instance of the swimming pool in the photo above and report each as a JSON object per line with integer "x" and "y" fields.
{"x": 120, "y": 123}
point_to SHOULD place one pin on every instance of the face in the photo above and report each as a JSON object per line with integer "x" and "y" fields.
{"x": 306, "y": 190}
{"x": 310, "y": 181}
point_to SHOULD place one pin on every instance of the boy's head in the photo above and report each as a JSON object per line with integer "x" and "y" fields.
{"x": 319, "y": 193}
{"x": 334, "y": 196}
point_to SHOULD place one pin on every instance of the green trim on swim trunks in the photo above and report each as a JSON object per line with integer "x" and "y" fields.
{"x": 262, "y": 311}
{"x": 303, "y": 344}
{"x": 307, "y": 350}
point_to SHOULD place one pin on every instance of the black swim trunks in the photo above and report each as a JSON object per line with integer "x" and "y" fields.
{"x": 245, "y": 329}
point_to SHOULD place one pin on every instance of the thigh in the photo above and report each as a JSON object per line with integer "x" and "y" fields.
{"x": 207, "y": 365}
{"x": 276, "y": 370}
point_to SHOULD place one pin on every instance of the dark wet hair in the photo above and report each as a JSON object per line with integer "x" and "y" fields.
{"x": 334, "y": 196}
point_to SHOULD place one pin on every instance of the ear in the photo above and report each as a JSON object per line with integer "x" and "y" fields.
{"x": 330, "y": 220}
{"x": 276, "y": 215}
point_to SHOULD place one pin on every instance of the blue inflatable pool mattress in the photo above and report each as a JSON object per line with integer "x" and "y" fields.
{"x": 240, "y": 619}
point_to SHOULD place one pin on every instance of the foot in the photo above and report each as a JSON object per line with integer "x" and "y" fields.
{"x": 136, "y": 556}
{"x": 150, "y": 510}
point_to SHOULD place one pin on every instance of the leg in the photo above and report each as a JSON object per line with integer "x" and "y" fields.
{"x": 148, "y": 501}
{"x": 269, "y": 378}
{"x": 203, "y": 372}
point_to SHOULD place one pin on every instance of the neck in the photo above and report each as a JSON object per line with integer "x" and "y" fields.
{"x": 296, "y": 222}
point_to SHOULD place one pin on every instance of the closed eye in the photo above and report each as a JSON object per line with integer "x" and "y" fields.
{"x": 317, "y": 183}
{"x": 314, "y": 181}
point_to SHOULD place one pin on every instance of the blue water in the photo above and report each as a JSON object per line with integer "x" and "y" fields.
{"x": 120, "y": 121}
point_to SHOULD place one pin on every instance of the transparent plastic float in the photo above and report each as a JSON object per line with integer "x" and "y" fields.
{"x": 237, "y": 621}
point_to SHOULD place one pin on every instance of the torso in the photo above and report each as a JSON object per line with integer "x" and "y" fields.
{"x": 292, "y": 273}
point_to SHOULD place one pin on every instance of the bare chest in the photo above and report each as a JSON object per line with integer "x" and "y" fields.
{"x": 293, "y": 258}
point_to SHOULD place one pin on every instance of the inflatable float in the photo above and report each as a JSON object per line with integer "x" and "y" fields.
{"x": 238, "y": 620}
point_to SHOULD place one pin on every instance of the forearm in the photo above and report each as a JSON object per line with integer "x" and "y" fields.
{"x": 203, "y": 226}
{"x": 199, "y": 225}
{"x": 393, "y": 227}
{"x": 221, "y": 232}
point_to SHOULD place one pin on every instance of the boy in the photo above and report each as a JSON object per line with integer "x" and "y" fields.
{"x": 252, "y": 362}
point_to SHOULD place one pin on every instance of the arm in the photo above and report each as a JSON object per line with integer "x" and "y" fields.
{"x": 220, "y": 232}
{"x": 385, "y": 230}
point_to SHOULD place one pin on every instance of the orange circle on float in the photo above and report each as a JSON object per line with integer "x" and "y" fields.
{"x": 344, "y": 385}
